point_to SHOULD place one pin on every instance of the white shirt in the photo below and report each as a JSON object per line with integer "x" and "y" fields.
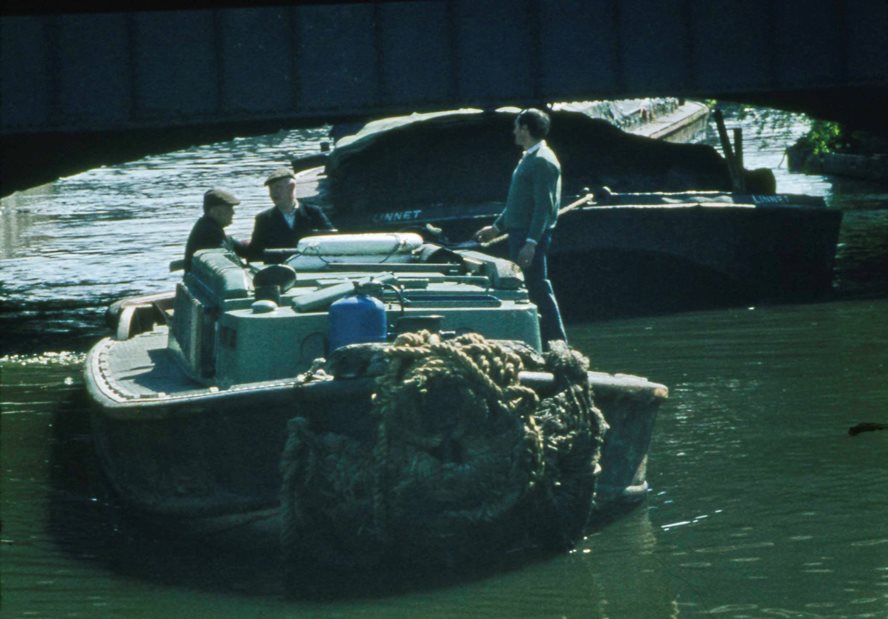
{"x": 290, "y": 218}
{"x": 534, "y": 148}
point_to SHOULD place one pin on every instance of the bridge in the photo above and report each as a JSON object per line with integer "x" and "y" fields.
{"x": 90, "y": 87}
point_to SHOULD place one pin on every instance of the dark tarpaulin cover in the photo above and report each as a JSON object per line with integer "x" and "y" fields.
{"x": 467, "y": 157}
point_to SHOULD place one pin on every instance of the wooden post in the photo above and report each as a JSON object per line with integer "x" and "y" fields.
{"x": 738, "y": 147}
{"x": 734, "y": 170}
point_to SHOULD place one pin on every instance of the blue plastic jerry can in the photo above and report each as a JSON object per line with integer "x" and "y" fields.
{"x": 358, "y": 318}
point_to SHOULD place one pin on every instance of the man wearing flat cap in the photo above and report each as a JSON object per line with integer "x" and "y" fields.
{"x": 288, "y": 220}
{"x": 209, "y": 231}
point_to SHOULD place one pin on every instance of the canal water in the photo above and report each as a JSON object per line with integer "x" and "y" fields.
{"x": 762, "y": 505}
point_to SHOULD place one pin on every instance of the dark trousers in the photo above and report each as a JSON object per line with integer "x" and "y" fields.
{"x": 539, "y": 288}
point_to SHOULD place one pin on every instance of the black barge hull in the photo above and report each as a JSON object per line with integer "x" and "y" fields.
{"x": 643, "y": 253}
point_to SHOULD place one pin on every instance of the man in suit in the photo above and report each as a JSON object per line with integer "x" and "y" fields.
{"x": 530, "y": 215}
{"x": 288, "y": 220}
{"x": 209, "y": 231}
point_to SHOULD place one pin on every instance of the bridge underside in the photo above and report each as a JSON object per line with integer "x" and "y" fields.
{"x": 38, "y": 158}
{"x": 82, "y": 89}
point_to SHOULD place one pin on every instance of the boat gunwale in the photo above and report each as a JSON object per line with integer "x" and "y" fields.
{"x": 485, "y": 209}
{"x": 117, "y": 406}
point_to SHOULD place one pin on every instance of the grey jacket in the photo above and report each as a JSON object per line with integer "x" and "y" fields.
{"x": 534, "y": 194}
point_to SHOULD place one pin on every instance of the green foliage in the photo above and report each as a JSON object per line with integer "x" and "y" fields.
{"x": 825, "y": 137}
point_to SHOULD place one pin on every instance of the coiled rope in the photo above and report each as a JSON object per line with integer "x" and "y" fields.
{"x": 461, "y": 458}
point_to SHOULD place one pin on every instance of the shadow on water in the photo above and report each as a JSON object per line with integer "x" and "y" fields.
{"x": 639, "y": 284}
{"x": 88, "y": 523}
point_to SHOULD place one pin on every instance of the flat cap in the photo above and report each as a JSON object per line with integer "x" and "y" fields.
{"x": 279, "y": 174}
{"x": 218, "y": 197}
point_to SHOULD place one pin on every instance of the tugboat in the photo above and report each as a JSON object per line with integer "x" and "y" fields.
{"x": 361, "y": 384}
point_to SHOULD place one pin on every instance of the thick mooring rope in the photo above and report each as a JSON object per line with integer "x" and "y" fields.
{"x": 462, "y": 458}
{"x": 436, "y": 395}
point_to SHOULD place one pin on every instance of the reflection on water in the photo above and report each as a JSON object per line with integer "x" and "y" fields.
{"x": 762, "y": 505}
{"x": 862, "y": 253}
